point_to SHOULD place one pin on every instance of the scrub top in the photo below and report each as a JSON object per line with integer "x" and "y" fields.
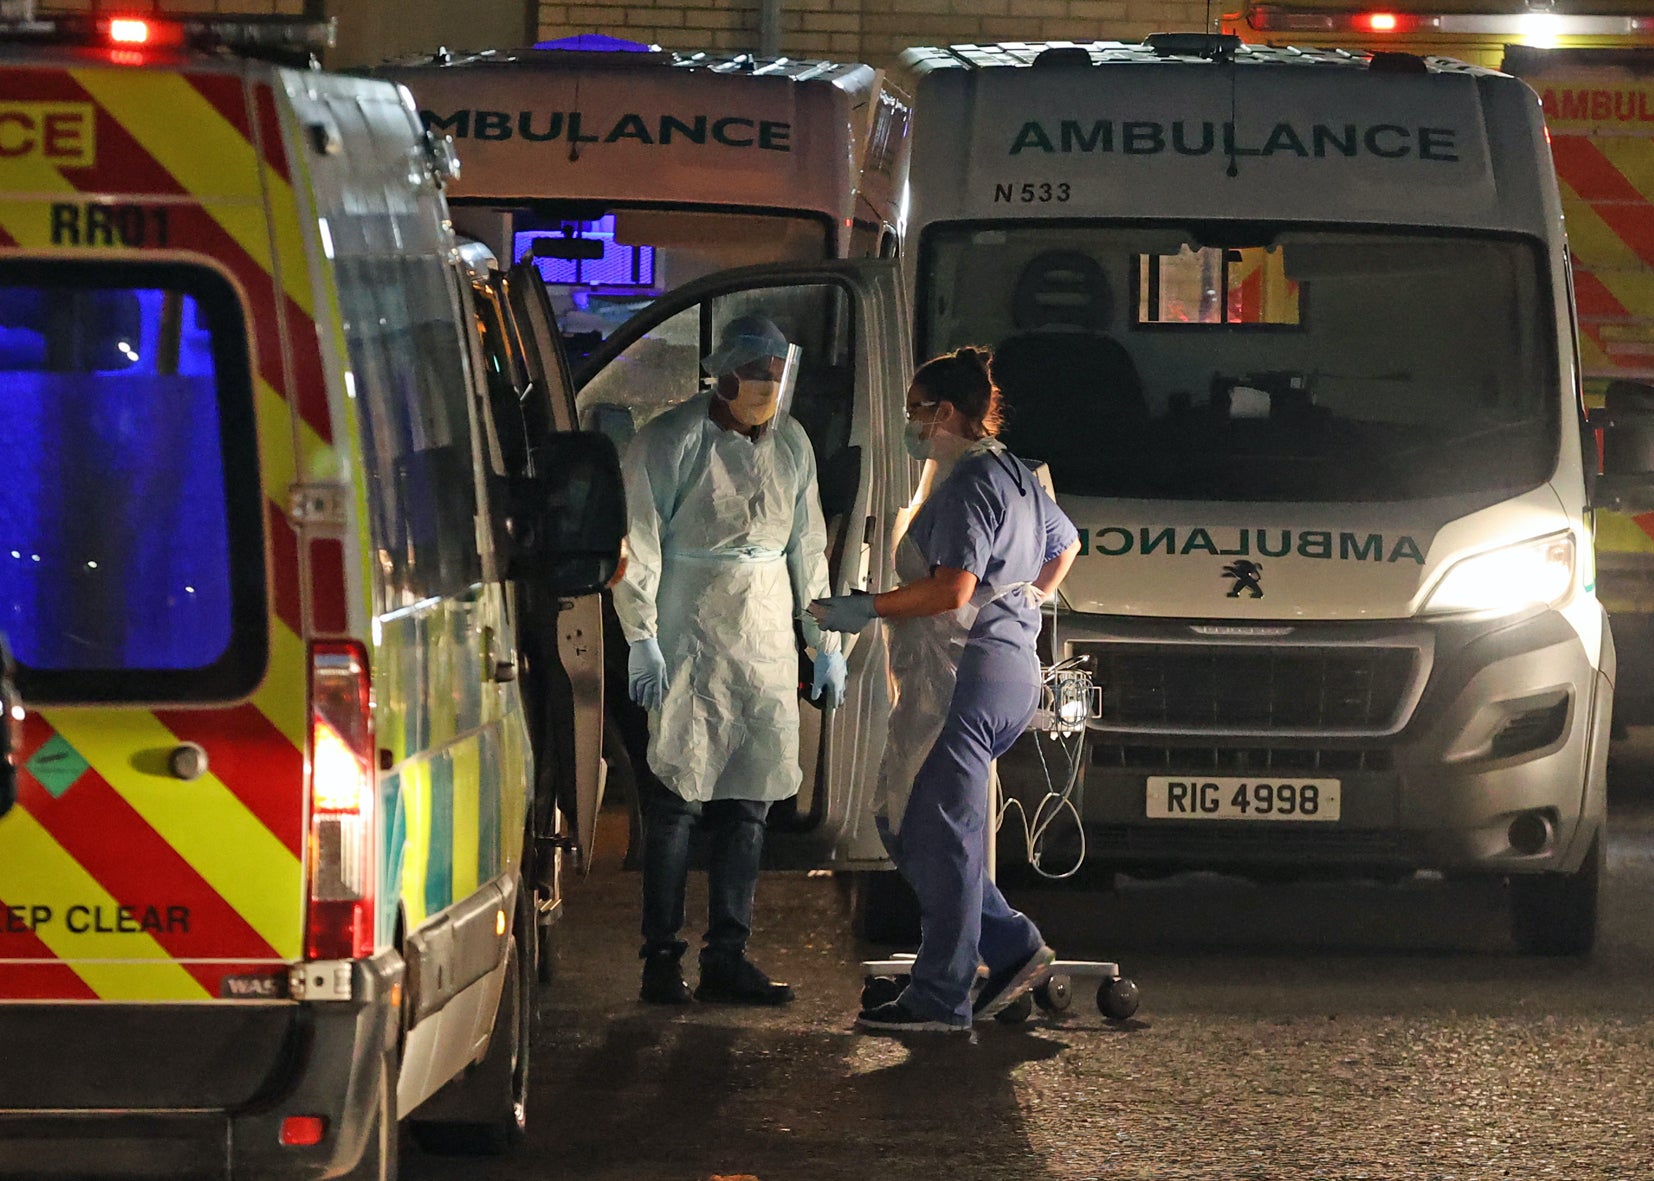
{"x": 992, "y": 518}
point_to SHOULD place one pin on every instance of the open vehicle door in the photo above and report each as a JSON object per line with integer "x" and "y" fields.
{"x": 530, "y": 412}
{"x": 570, "y": 676}
{"x": 850, "y": 321}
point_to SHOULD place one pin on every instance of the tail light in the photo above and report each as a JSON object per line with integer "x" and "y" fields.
{"x": 340, "y": 769}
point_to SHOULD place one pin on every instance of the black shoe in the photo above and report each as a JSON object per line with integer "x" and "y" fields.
{"x": 739, "y": 982}
{"x": 663, "y": 982}
{"x": 1007, "y": 984}
{"x": 896, "y": 1017}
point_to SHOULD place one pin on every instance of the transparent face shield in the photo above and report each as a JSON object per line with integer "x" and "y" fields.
{"x": 760, "y": 396}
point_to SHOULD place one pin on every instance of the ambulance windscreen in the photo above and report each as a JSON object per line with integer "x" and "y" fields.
{"x": 1300, "y": 364}
{"x": 601, "y": 268}
{"x": 131, "y": 550}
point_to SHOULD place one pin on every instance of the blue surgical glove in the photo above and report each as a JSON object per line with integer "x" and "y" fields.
{"x": 844, "y": 613}
{"x": 830, "y": 672}
{"x": 646, "y": 673}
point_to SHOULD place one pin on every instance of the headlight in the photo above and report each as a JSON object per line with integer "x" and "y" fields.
{"x": 1539, "y": 572}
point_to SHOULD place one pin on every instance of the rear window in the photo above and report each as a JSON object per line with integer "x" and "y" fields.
{"x": 131, "y": 543}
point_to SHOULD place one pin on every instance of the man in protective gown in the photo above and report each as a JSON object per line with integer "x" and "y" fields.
{"x": 727, "y": 547}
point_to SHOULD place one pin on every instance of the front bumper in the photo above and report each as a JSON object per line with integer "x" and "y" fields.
{"x": 193, "y": 1091}
{"x": 1502, "y": 719}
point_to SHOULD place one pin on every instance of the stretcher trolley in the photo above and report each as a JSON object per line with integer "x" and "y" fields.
{"x": 1068, "y": 699}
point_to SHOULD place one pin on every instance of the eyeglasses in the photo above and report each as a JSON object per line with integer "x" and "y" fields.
{"x": 914, "y": 406}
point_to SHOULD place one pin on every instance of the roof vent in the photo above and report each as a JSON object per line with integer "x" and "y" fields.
{"x": 1215, "y": 46}
{"x": 1393, "y": 62}
{"x": 1063, "y": 55}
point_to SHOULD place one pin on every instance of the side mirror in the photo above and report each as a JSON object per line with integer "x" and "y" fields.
{"x": 570, "y": 518}
{"x": 1627, "y": 424}
{"x": 11, "y": 728}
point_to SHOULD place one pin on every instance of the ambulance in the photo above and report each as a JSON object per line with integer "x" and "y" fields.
{"x": 631, "y": 171}
{"x": 1293, "y": 332}
{"x": 1591, "y": 64}
{"x": 266, "y": 887}
{"x": 622, "y": 175}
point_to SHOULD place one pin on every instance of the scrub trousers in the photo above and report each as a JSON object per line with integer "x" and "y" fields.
{"x": 942, "y": 848}
{"x": 736, "y": 831}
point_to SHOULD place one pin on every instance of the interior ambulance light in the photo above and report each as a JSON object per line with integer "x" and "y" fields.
{"x": 1534, "y": 573}
{"x": 1377, "y": 22}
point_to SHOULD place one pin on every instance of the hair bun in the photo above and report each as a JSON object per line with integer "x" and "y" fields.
{"x": 973, "y": 355}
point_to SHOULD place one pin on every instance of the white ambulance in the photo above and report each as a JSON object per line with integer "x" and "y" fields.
{"x": 621, "y": 176}
{"x": 630, "y": 172}
{"x": 1293, "y": 332}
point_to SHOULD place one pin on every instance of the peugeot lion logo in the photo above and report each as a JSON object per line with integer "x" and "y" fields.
{"x": 1246, "y": 575}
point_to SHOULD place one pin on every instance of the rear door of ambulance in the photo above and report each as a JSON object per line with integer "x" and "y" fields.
{"x": 149, "y": 579}
{"x": 850, "y": 320}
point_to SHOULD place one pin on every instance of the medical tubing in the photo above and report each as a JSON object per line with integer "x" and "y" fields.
{"x": 1070, "y": 798}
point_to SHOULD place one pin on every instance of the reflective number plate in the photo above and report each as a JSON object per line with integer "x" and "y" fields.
{"x": 1242, "y": 799}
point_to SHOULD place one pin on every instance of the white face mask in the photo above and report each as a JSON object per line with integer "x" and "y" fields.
{"x": 755, "y": 401}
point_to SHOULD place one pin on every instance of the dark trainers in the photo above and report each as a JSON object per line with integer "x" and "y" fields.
{"x": 1007, "y": 984}
{"x": 739, "y": 982}
{"x": 896, "y": 1017}
{"x": 663, "y": 982}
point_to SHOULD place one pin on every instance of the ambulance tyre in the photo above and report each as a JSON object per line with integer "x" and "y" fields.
{"x": 379, "y": 1159}
{"x": 1117, "y": 998}
{"x": 1556, "y": 913}
{"x": 502, "y": 1076}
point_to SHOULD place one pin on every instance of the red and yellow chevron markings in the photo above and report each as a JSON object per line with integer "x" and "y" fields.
{"x": 123, "y": 882}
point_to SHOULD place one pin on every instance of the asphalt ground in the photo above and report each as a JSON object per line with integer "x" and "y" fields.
{"x": 1318, "y": 1030}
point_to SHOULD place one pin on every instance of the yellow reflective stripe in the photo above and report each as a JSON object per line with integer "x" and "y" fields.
{"x": 275, "y": 452}
{"x": 281, "y": 698}
{"x": 204, "y": 152}
{"x": 133, "y": 965}
{"x": 1591, "y": 240}
{"x": 29, "y": 223}
{"x": 202, "y": 820}
{"x": 1618, "y": 533}
{"x": 415, "y": 784}
{"x": 1632, "y": 156}
{"x": 467, "y": 760}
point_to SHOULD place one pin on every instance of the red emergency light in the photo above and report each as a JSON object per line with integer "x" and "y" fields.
{"x": 134, "y": 32}
{"x": 125, "y": 31}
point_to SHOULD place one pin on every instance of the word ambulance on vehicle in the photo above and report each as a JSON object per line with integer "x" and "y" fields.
{"x": 262, "y": 889}
{"x": 1293, "y": 333}
{"x": 621, "y": 176}
{"x": 1592, "y": 67}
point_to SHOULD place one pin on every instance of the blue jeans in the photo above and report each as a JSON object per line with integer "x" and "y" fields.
{"x": 942, "y": 848}
{"x": 736, "y": 830}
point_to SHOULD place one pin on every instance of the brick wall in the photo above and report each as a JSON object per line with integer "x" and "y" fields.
{"x": 869, "y": 30}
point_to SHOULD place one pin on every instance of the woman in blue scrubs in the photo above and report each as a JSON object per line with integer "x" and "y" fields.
{"x": 980, "y": 555}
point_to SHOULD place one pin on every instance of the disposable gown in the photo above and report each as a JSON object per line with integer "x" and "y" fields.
{"x": 727, "y": 546}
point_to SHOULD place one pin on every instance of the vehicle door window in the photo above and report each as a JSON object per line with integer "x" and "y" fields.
{"x": 406, "y": 351}
{"x": 131, "y": 516}
{"x": 504, "y": 381}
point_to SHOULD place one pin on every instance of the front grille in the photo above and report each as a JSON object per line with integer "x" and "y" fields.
{"x": 1213, "y": 687}
{"x": 1221, "y": 844}
{"x": 1237, "y": 759}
